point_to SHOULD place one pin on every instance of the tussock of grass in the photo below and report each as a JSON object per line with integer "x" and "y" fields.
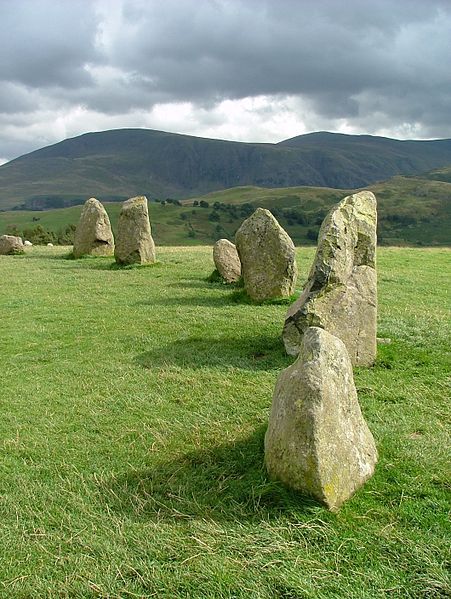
{"x": 116, "y": 266}
{"x": 134, "y": 406}
{"x": 241, "y": 297}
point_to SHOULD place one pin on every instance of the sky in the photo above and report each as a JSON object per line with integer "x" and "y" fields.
{"x": 247, "y": 70}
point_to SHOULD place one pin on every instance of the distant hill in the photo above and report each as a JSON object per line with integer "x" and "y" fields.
{"x": 411, "y": 210}
{"x": 114, "y": 165}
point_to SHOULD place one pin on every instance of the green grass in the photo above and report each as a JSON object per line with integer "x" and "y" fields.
{"x": 412, "y": 211}
{"x": 134, "y": 404}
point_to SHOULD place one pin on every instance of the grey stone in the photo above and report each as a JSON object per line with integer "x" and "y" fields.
{"x": 341, "y": 292}
{"x": 134, "y": 243}
{"x": 227, "y": 261}
{"x": 93, "y": 235}
{"x": 317, "y": 441}
{"x": 267, "y": 255}
{"x": 10, "y": 244}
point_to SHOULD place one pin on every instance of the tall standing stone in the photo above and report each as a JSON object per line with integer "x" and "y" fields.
{"x": 134, "y": 243}
{"x": 267, "y": 255}
{"x": 341, "y": 292}
{"x": 226, "y": 260}
{"x": 317, "y": 441}
{"x": 93, "y": 235}
{"x": 10, "y": 244}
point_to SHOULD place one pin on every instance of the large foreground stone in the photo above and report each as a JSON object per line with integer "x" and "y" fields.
{"x": 134, "y": 243}
{"x": 10, "y": 244}
{"x": 226, "y": 260}
{"x": 267, "y": 255}
{"x": 93, "y": 235}
{"x": 341, "y": 294}
{"x": 317, "y": 441}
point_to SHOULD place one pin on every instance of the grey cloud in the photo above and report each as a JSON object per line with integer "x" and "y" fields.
{"x": 44, "y": 42}
{"x": 371, "y": 63}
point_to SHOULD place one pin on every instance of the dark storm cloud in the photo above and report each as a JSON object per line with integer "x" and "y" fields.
{"x": 376, "y": 64}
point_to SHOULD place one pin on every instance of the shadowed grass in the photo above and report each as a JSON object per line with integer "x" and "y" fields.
{"x": 134, "y": 405}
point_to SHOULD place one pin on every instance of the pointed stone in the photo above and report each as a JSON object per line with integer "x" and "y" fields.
{"x": 341, "y": 292}
{"x": 134, "y": 243}
{"x": 93, "y": 235}
{"x": 10, "y": 244}
{"x": 317, "y": 441}
{"x": 226, "y": 260}
{"x": 267, "y": 255}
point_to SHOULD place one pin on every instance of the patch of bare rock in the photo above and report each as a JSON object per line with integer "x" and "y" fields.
{"x": 10, "y": 244}
{"x": 341, "y": 295}
{"x": 93, "y": 235}
{"x": 134, "y": 242}
{"x": 317, "y": 441}
{"x": 267, "y": 255}
{"x": 227, "y": 260}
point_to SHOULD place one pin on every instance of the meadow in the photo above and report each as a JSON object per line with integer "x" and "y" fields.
{"x": 134, "y": 404}
{"x": 411, "y": 211}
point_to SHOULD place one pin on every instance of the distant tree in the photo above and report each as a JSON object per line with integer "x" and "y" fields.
{"x": 213, "y": 216}
{"x": 312, "y": 234}
{"x": 13, "y": 230}
{"x": 246, "y": 209}
{"x": 39, "y": 236}
{"x": 204, "y": 204}
{"x": 66, "y": 236}
{"x": 195, "y": 203}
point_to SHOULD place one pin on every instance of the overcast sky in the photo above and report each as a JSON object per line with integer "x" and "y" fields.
{"x": 249, "y": 70}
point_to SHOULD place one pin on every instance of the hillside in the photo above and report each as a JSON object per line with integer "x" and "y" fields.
{"x": 411, "y": 210}
{"x": 114, "y": 165}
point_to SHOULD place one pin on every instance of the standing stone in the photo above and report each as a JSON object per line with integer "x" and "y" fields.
{"x": 317, "y": 441}
{"x": 267, "y": 256}
{"x": 134, "y": 243}
{"x": 226, "y": 260}
{"x": 10, "y": 244}
{"x": 93, "y": 235}
{"x": 341, "y": 292}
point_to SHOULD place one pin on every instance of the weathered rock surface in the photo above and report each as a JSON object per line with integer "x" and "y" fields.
{"x": 134, "y": 243}
{"x": 317, "y": 441}
{"x": 267, "y": 255}
{"x": 10, "y": 244}
{"x": 93, "y": 235}
{"x": 227, "y": 261}
{"x": 341, "y": 292}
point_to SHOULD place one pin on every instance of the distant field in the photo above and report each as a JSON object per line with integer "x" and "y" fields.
{"x": 411, "y": 211}
{"x": 134, "y": 404}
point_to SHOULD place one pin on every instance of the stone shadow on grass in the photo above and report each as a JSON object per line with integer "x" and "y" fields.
{"x": 258, "y": 352}
{"x": 226, "y": 482}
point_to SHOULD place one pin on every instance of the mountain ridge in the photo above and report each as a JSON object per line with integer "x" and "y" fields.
{"x": 119, "y": 163}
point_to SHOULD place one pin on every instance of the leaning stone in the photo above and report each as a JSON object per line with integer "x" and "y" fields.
{"x": 341, "y": 295}
{"x": 134, "y": 243}
{"x": 317, "y": 441}
{"x": 10, "y": 244}
{"x": 226, "y": 260}
{"x": 93, "y": 235}
{"x": 267, "y": 256}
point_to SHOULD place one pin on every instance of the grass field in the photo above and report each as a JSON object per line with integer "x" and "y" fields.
{"x": 411, "y": 211}
{"x": 134, "y": 404}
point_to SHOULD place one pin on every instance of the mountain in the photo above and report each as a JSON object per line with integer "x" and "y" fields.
{"x": 117, "y": 164}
